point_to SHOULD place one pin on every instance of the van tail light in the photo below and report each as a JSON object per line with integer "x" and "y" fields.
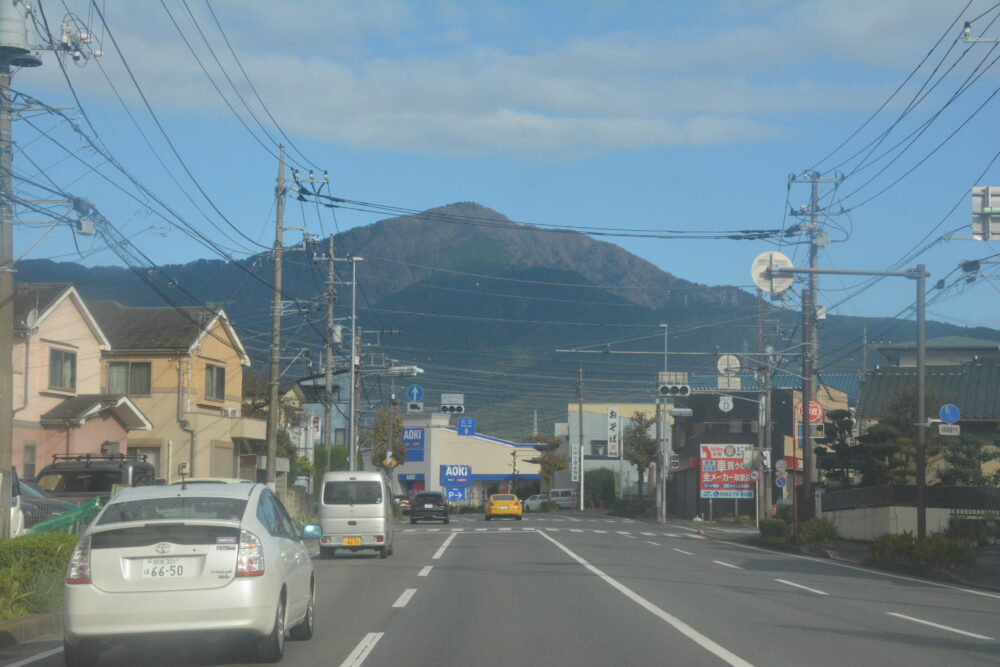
{"x": 78, "y": 571}
{"x": 250, "y": 560}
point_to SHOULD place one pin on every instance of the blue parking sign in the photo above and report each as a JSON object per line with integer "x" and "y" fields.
{"x": 455, "y": 493}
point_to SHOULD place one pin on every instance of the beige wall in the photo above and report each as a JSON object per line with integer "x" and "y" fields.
{"x": 867, "y": 523}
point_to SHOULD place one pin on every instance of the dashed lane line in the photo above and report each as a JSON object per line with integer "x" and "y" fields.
{"x": 404, "y": 598}
{"x": 361, "y": 651}
{"x": 655, "y": 544}
{"x": 805, "y": 588}
{"x": 36, "y": 657}
{"x": 686, "y": 553}
{"x": 425, "y": 570}
{"x": 444, "y": 546}
{"x": 725, "y": 564}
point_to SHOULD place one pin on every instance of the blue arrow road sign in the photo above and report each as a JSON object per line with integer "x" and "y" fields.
{"x": 780, "y": 481}
{"x": 466, "y": 426}
{"x": 455, "y": 493}
{"x": 949, "y": 413}
{"x": 415, "y": 393}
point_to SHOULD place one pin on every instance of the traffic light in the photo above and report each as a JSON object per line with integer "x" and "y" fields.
{"x": 674, "y": 390}
{"x": 675, "y": 461}
{"x": 453, "y": 409}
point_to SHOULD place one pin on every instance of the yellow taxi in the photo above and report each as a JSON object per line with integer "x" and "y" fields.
{"x": 503, "y": 504}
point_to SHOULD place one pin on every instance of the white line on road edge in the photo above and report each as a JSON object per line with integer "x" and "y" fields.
{"x": 939, "y": 626}
{"x": 805, "y": 588}
{"x": 362, "y": 650}
{"x": 686, "y": 553}
{"x": 404, "y": 598}
{"x": 677, "y": 624}
{"x": 425, "y": 570}
{"x": 444, "y": 546}
{"x": 719, "y": 562}
{"x": 655, "y": 544}
{"x": 877, "y": 573}
{"x": 36, "y": 657}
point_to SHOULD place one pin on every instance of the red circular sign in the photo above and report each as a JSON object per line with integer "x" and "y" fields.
{"x": 816, "y": 412}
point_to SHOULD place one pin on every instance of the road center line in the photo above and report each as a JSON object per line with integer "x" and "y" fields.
{"x": 939, "y": 626}
{"x": 362, "y": 650}
{"x": 444, "y": 546}
{"x": 404, "y": 598}
{"x": 724, "y": 564}
{"x": 686, "y": 553}
{"x": 676, "y": 623}
{"x": 805, "y": 588}
{"x": 36, "y": 657}
{"x": 425, "y": 570}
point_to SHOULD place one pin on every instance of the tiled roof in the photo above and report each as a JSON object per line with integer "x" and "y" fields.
{"x": 154, "y": 328}
{"x": 974, "y": 387}
{"x": 35, "y": 295}
{"x": 845, "y": 382}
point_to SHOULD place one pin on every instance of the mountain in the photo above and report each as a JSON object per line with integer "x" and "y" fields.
{"x": 483, "y": 303}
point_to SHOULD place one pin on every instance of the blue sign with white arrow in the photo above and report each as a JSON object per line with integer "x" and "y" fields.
{"x": 415, "y": 393}
{"x": 949, "y": 413}
{"x": 780, "y": 481}
{"x": 455, "y": 494}
{"x": 466, "y": 426}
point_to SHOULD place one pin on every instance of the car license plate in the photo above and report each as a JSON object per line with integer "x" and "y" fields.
{"x": 165, "y": 568}
{"x": 352, "y": 541}
{"x": 504, "y": 507}
{"x": 428, "y": 506}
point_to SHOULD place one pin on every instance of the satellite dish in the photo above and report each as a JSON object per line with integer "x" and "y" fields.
{"x": 31, "y": 321}
{"x": 762, "y": 272}
{"x": 728, "y": 364}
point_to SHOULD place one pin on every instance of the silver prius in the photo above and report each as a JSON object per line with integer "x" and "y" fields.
{"x": 199, "y": 557}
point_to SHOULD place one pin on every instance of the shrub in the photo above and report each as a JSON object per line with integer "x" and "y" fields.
{"x": 933, "y": 551}
{"x": 32, "y": 569}
{"x": 547, "y": 506}
{"x": 816, "y": 531}
{"x": 963, "y": 528}
{"x": 891, "y": 548}
{"x": 773, "y": 529}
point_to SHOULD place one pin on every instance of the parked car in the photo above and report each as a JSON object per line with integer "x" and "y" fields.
{"x": 534, "y": 503}
{"x": 565, "y": 499}
{"x": 38, "y": 506}
{"x": 503, "y": 504}
{"x": 82, "y": 477}
{"x": 356, "y": 513}
{"x": 205, "y": 558}
{"x": 16, "y": 509}
{"x": 428, "y": 505}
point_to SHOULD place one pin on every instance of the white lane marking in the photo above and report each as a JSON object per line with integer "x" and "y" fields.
{"x": 433, "y": 530}
{"x": 481, "y": 530}
{"x": 939, "y": 626}
{"x": 719, "y": 562}
{"x": 648, "y": 534}
{"x": 827, "y": 561}
{"x": 404, "y": 598}
{"x": 457, "y": 530}
{"x": 362, "y": 650}
{"x": 631, "y": 537}
{"x": 675, "y": 622}
{"x": 671, "y": 535}
{"x": 440, "y": 551}
{"x": 575, "y": 530}
{"x": 686, "y": 553}
{"x": 805, "y": 588}
{"x": 527, "y": 529}
{"x": 655, "y": 544}
{"x": 425, "y": 570}
{"x": 622, "y": 532}
{"x": 602, "y": 532}
{"x": 504, "y": 530}
{"x": 36, "y": 657}
{"x": 552, "y": 530}
{"x": 697, "y": 537}
{"x": 577, "y": 520}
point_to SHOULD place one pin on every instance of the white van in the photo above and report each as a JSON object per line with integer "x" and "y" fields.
{"x": 355, "y": 512}
{"x": 565, "y": 499}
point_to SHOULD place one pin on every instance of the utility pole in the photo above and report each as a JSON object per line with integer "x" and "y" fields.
{"x": 331, "y": 297}
{"x": 579, "y": 396}
{"x": 352, "y": 447}
{"x": 14, "y": 52}
{"x": 810, "y": 349}
{"x": 662, "y": 438}
{"x": 274, "y": 400}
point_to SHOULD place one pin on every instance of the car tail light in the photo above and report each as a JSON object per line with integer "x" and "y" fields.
{"x": 250, "y": 562}
{"x": 439, "y": 503}
{"x": 379, "y": 539}
{"x": 78, "y": 571}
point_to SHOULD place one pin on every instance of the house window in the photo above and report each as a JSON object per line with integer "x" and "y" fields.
{"x": 215, "y": 382}
{"x": 130, "y": 377}
{"x": 28, "y": 469}
{"x": 62, "y": 370}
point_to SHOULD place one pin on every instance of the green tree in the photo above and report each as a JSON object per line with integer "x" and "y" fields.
{"x": 888, "y": 449}
{"x": 599, "y": 488}
{"x": 387, "y": 438}
{"x": 640, "y": 446}
{"x": 965, "y": 461}
{"x": 835, "y": 451}
{"x": 549, "y": 462}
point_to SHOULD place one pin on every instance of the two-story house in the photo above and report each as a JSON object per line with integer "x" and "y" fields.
{"x": 183, "y": 367}
{"x": 59, "y": 407}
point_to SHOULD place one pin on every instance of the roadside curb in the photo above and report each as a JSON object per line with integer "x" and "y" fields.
{"x": 28, "y": 628}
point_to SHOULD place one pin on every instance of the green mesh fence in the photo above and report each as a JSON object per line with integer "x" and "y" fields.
{"x": 73, "y": 521}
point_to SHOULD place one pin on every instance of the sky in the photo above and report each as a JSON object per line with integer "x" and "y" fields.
{"x": 611, "y": 115}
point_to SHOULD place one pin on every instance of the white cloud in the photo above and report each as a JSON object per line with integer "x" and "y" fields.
{"x": 396, "y": 75}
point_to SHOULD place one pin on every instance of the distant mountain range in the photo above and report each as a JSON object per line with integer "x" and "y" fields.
{"x": 482, "y": 303}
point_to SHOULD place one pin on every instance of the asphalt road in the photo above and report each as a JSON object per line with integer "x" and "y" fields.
{"x": 578, "y": 589}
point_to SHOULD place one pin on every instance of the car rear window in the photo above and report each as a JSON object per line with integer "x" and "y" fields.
{"x": 428, "y": 498}
{"x": 504, "y": 497}
{"x": 174, "y": 507}
{"x": 141, "y": 536}
{"x": 80, "y": 481}
{"x": 352, "y": 493}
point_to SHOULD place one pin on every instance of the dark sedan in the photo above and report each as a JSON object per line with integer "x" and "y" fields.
{"x": 428, "y": 505}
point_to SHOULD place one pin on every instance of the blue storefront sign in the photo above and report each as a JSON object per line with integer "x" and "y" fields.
{"x": 413, "y": 438}
{"x": 456, "y": 475}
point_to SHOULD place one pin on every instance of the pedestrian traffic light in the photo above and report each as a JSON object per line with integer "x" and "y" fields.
{"x": 453, "y": 409}
{"x": 674, "y": 390}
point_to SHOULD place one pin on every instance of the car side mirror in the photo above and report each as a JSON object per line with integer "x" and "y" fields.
{"x": 311, "y": 532}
